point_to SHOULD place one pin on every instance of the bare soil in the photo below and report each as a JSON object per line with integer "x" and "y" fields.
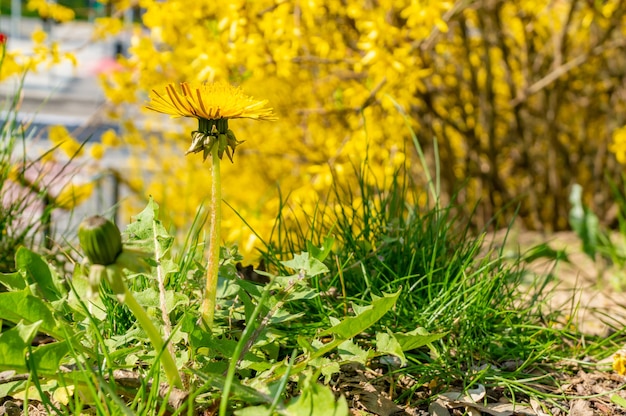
{"x": 593, "y": 291}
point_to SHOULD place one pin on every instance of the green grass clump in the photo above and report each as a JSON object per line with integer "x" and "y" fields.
{"x": 451, "y": 282}
{"x": 26, "y": 204}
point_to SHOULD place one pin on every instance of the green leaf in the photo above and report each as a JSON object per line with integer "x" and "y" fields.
{"x": 146, "y": 227}
{"x": 282, "y": 316}
{"x": 320, "y": 253}
{"x": 310, "y": 265}
{"x": 618, "y": 400}
{"x": 353, "y": 326}
{"x": 47, "y": 358}
{"x": 386, "y": 343}
{"x": 22, "y": 306}
{"x": 81, "y": 286}
{"x": 305, "y": 344}
{"x": 254, "y": 411}
{"x": 168, "y": 266}
{"x": 327, "y": 367}
{"x": 584, "y": 222}
{"x": 12, "y": 388}
{"x": 36, "y": 270}
{"x": 300, "y": 292}
{"x": 246, "y": 298}
{"x": 416, "y": 339}
{"x": 317, "y": 399}
{"x": 544, "y": 251}
{"x": 150, "y": 298}
{"x": 239, "y": 391}
{"x": 13, "y": 344}
{"x": 13, "y": 281}
{"x": 251, "y": 288}
{"x": 349, "y": 351}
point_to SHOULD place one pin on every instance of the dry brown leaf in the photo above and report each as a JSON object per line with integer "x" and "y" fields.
{"x": 375, "y": 402}
{"x": 580, "y": 408}
{"x": 471, "y": 401}
{"x": 471, "y": 396}
{"x": 437, "y": 409}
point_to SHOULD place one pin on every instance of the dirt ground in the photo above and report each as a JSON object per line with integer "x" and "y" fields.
{"x": 594, "y": 291}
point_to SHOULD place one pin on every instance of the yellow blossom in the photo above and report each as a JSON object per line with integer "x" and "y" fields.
{"x": 212, "y": 104}
{"x": 619, "y": 363}
{"x": 97, "y": 151}
{"x": 209, "y": 101}
{"x": 60, "y": 137}
{"x": 618, "y": 147}
{"x": 51, "y": 10}
{"x": 71, "y": 57}
{"x": 435, "y": 59}
{"x": 110, "y": 139}
{"x": 106, "y": 26}
{"x": 73, "y": 195}
{"x": 39, "y": 36}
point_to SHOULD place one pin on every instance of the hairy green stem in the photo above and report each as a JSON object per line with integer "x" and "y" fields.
{"x": 167, "y": 360}
{"x": 167, "y": 324}
{"x": 210, "y": 292}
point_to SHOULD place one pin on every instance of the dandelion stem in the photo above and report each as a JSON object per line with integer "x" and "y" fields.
{"x": 210, "y": 293}
{"x": 167, "y": 360}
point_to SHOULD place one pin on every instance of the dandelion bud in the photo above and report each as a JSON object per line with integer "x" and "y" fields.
{"x": 100, "y": 240}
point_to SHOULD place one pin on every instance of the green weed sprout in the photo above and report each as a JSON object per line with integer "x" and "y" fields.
{"x": 212, "y": 104}
{"x": 101, "y": 243}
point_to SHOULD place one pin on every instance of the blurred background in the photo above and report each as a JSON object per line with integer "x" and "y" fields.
{"x": 513, "y": 103}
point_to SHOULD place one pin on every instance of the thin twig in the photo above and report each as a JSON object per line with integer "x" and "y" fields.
{"x": 562, "y": 70}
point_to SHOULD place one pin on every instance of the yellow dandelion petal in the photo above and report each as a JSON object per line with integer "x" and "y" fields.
{"x": 205, "y": 113}
{"x": 177, "y": 103}
{"x": 191, "y": 106}
{"x": 160, "y": 103}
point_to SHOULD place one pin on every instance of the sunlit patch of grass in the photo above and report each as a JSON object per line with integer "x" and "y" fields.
{"x": 498, "y": 325}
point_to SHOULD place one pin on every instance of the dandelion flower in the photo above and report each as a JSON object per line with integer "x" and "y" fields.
{"x": 619, "y": 362}
{"x": 212, "y": 104}
{"x": 209, "y": 101}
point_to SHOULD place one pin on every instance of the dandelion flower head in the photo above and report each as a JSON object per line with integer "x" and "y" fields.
{"x": 209, "y": 101}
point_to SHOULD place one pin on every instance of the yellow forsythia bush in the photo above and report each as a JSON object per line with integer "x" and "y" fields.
{"x": 522, "y": 98}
